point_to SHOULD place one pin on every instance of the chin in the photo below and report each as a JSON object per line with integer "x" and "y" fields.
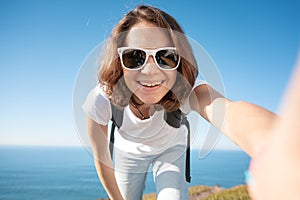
{"x": 150, "y": 100}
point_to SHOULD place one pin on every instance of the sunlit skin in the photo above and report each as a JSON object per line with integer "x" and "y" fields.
{"x": 145, "y": 35}
{"x": 275, "y": 168}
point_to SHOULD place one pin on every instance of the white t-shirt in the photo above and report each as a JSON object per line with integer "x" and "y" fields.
{"x": 136, "y": 136}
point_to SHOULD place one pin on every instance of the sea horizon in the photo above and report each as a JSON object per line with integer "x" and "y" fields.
{"x": 68, "y": 172}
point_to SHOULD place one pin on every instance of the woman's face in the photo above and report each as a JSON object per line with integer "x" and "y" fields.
{"x": 150, "y": 84}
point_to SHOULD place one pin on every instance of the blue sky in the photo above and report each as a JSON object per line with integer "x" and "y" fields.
{"x": 43, "y": 44}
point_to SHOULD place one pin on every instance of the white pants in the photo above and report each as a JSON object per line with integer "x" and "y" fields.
{"x": 168, "y": 173}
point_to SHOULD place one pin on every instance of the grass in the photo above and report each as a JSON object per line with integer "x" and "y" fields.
{"x": 235, "y": 193}
{"x": 202, "y": 192}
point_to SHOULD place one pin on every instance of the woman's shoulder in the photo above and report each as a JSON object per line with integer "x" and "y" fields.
{"x": 186, "y": 107}
{"x": 97, "y": 105}
{"x": 97, "y": 97}
{"x": 198, "y": 83}
{"x": 100, "y": 93}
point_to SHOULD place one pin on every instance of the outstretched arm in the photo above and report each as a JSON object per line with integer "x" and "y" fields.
{"x": 246, "y": 124}
{"x": 275, "y": 169}
{"x": 102, "y": 160}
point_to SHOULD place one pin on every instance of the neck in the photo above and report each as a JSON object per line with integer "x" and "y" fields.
{"x": 140, "y": 111}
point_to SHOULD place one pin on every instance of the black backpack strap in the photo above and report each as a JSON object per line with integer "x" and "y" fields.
{"x": 175, "y": 119}
{"x": 117, "y": 120}
{"x": 117, "y": 115}
{"x": 188, "y": 151}
{"x": 112, "y": 139}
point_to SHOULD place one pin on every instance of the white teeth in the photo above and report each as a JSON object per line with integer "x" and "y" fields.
{"x": 150, "y": 84}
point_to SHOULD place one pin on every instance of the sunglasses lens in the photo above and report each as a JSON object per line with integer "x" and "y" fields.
{"x": 167, "y": 58}
{"x": 133, "y": 58}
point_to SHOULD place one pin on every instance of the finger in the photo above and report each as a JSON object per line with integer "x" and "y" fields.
{"x": 290, "y": 108}
{"x": 289, "y": 126}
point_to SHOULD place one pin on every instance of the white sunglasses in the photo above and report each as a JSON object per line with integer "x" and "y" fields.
{"x": 166, "y": 58}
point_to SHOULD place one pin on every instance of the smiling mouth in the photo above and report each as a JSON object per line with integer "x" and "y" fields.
{"x": 150, "y": 85}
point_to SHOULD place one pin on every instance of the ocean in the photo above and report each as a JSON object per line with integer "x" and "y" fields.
{"x": 54, "y": 173}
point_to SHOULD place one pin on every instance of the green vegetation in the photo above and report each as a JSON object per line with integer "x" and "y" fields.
{"x": 202, "y": 192}
{"x": 235, "y": 193}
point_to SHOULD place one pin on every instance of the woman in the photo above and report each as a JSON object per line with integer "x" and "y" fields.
{"x": 148, "y": 69}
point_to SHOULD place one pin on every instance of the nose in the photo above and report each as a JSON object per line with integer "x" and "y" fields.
{"x": 150, "y": 67}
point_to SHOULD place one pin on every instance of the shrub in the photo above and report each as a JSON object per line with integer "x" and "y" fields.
{"x": 235, "y": 193}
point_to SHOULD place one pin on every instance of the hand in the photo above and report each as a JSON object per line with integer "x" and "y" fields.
{"x": 275, "y": 170}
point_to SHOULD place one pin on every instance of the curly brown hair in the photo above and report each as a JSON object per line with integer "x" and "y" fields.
{"x": 110, "y": 74}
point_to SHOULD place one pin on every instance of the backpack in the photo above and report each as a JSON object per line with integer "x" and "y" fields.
{"x": 175, "y": 119}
